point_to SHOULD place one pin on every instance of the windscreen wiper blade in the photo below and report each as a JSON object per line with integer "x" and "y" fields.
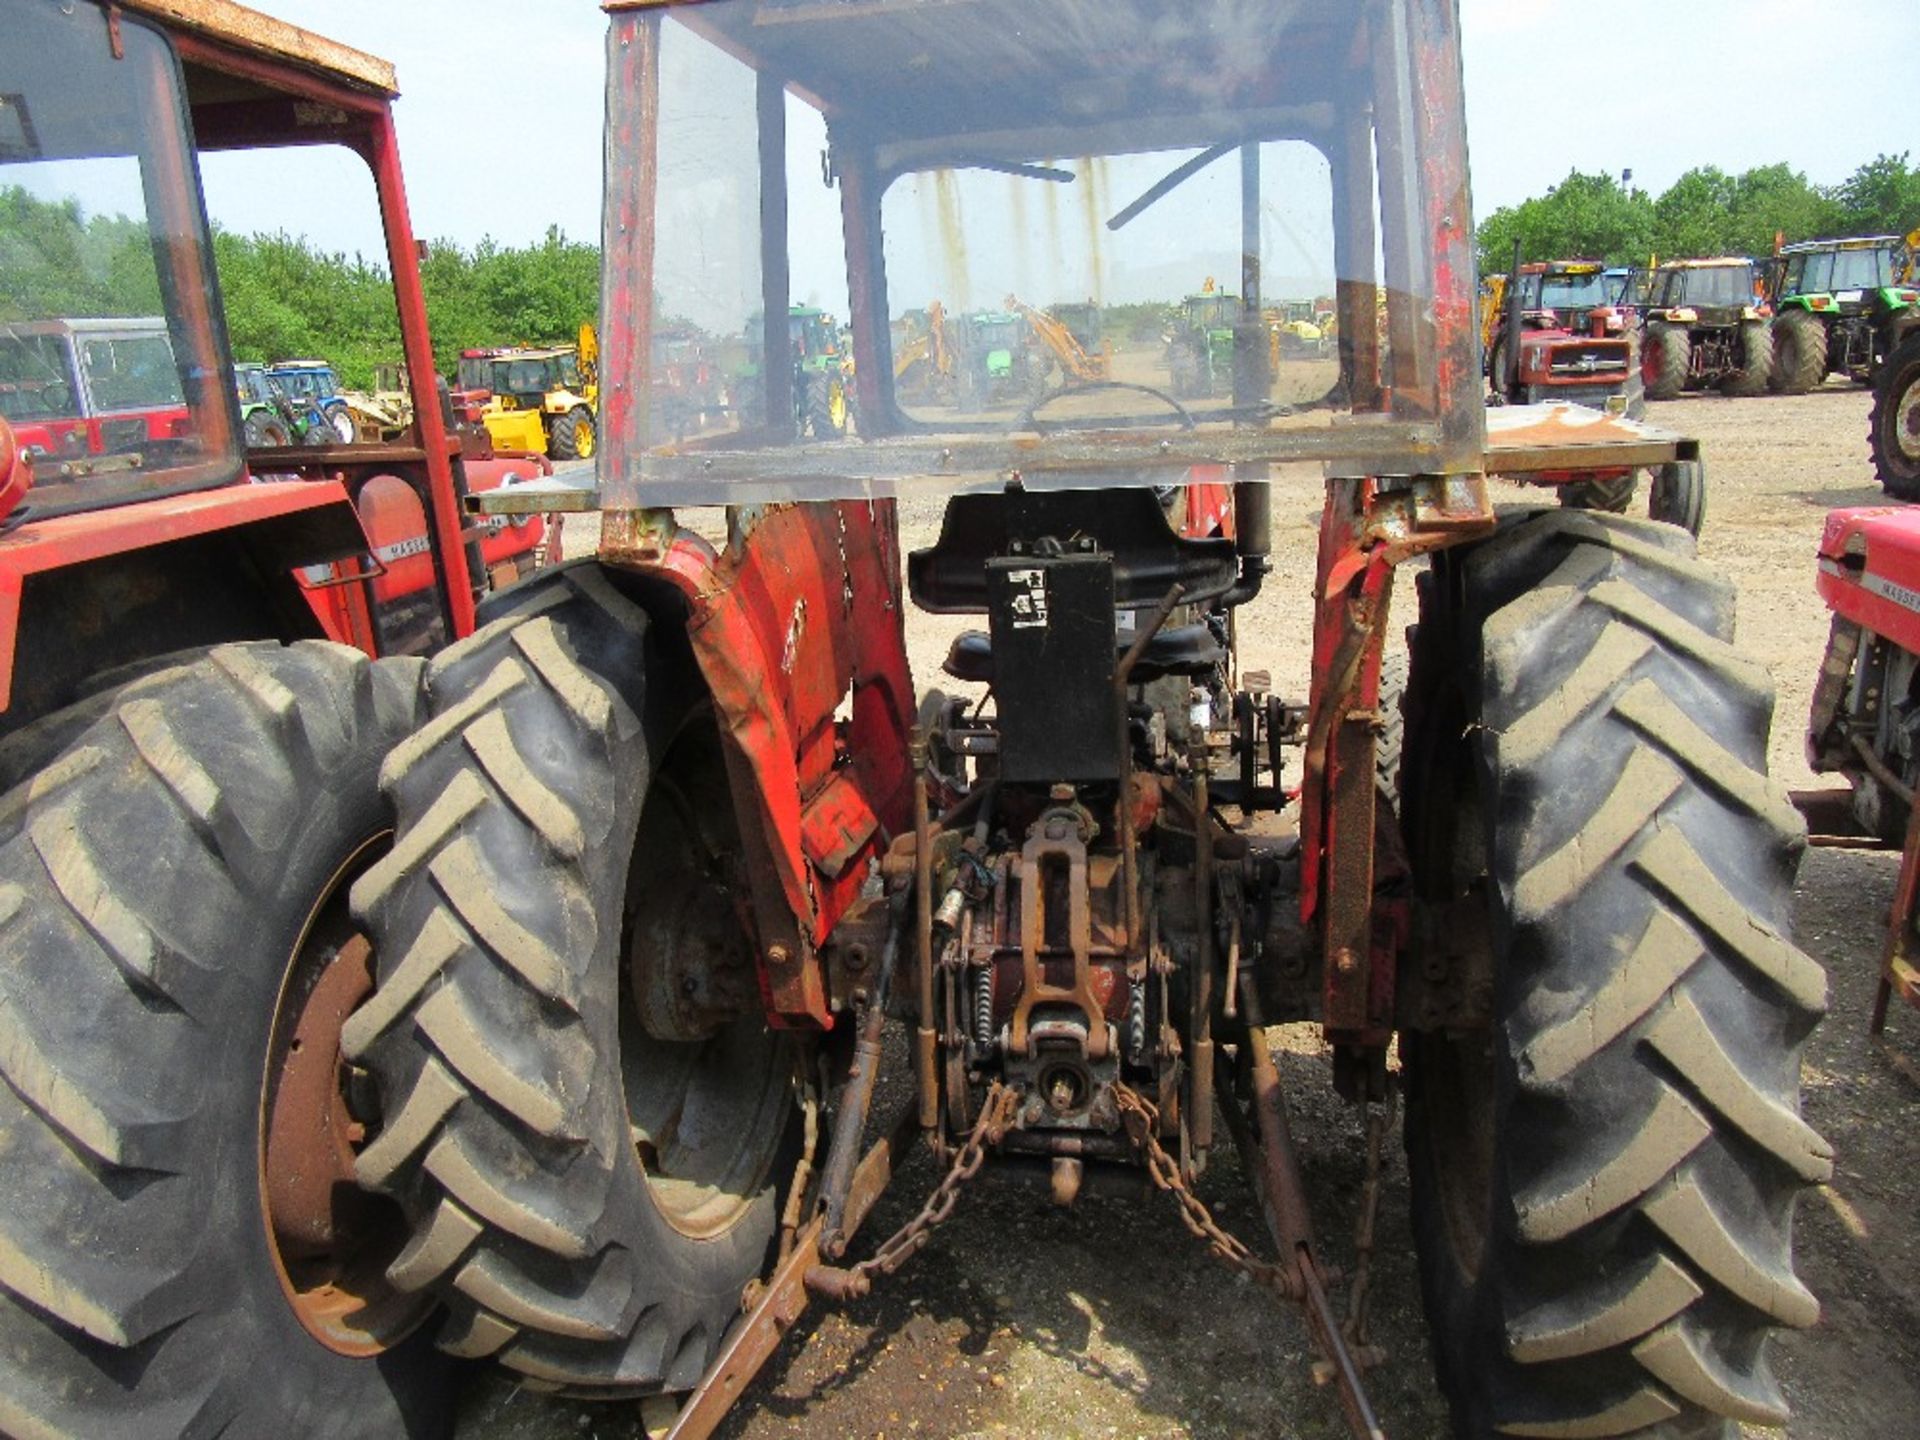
{"x": 1174, "y": 178}
{"x": 1025, "y": 172}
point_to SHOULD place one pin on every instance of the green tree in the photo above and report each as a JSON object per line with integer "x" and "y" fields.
{"x": 1584, "y": 216}
{"x": 1882, "y": 197}
{"x": 1695, "y": 215}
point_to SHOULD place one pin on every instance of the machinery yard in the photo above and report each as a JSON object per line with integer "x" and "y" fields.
{"x": 1056, "y": 1348}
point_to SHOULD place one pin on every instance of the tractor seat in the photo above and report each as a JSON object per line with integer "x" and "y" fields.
{"x": 1190, "y": 650}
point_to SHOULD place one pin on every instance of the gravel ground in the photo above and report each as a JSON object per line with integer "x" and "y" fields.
{"x": 1110, "y": 1321}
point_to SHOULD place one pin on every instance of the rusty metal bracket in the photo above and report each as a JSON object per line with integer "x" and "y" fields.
{"x": 1056, "y": 841}
{"x": 778, "y": 1306}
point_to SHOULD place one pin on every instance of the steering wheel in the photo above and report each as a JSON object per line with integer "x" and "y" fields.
{"x": 1029, "y": 417}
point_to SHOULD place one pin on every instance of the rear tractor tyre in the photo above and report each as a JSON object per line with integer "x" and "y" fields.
{"x": 1894, "y": 429}
{"x": 1603, "y": 1182}
{"x": 1666, "y": 357}
{"x": 182, "y": 1250}
{"x": 263, "y": 432}
{"x": 826, "y": 408}
{"x": 1679, "y": 495}
{"x": 1799, "y": 352}
{"x": 585, "y": 1111}
{"x": 1755, "y": 372}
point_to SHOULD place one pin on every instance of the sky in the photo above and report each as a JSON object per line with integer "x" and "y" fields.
{"x": 500, "y": 115}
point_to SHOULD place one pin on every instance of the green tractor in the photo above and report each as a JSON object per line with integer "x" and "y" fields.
{"x": 271, "y": 417}
{"x": 1840, "y": 308}
{"x": 1200, "y": 344}
{"x": 822, "y": 396}
{"x": 996, "y": 363}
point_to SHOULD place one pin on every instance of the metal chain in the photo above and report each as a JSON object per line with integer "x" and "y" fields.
{"x": 1142, "y": 1119}
{"x": 997, "y": 1113}
{"x": 1379, "y": 1121}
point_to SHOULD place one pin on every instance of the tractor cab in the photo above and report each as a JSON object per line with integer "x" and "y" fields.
{"x": 110, "y": 355}
{"x": 1566, "y": 294}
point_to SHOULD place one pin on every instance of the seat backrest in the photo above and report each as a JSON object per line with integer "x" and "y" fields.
{"x": 1127, "y": 524}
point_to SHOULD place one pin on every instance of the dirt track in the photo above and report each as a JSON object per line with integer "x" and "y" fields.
{"x": 1109, "y": 1321}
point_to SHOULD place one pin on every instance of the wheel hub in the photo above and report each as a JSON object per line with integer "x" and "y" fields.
{"x": 1906, "y": 423}
{"x": 330, "y": 1240}
{"x": 310, "y": 1132}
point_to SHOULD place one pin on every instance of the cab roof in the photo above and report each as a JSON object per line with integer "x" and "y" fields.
{"x": 1562, "y": 267}
{"x": 1852, "y": 242}
{"x": 248, "y": 30}
{"x": 1719, "y": 262}
{"x": 520, "y": 352}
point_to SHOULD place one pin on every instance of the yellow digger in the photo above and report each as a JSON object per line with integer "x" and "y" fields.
{"x": 536, "y": 399}
{"x": 1077, "y": 362}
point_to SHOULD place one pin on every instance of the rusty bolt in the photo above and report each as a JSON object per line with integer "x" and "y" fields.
{"x": 1345, "y": 961}
{"x": 779, "y": 955}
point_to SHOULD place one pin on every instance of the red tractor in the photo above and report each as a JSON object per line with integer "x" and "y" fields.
{"x": 1562, "y": 338}
{"x": 1565, "y": 337}
{"x": 1862, "y": 724}
{"x": 681, "y": 837}
{"x": 678, "y": 851}
{"x": 192, "y": 723}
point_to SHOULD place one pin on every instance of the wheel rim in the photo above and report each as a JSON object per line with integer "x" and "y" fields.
{"x": 708, "y": 1086}
{"x": 583, "y": 439}
{"x": 1906, "y": 420}
{"x": 331, "y": 1242}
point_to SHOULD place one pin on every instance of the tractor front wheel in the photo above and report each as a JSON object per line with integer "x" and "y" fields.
{"x": 182, "y": 1247}
{"x": 1665, "y": 359}
{"x": 1603, "y": 1180}
{"x": 585, "y": 1111}
{"x": 571, "y": 435}
{"x": 1799, "y": 352}
{"x": 1894, "y": 430}
{"x": 1679, "y": 495}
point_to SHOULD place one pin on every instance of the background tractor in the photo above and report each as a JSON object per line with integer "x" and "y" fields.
{"x": 1894, "y": 425}
{"x": 817, "y": 380}
{"x": 1200, "y": 345}
{"x": 78, "y": 388}
{"x": 1840, "y": 308}
{"x": 202, "y": 669}
{"x": 995, "y": 361}
{"x": 314, "y": 385}
{"x": 1559, "y": 336}
{"x": 534, "y": 400}
{"x": 683, "y": 857}
{"x": 1707, "y": 323}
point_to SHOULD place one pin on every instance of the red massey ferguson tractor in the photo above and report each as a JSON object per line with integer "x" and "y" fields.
{"x": 676, "y": 842}
{"x": 1862, "y": 724}
{"x": 190, "y": 734}
{"x": 679, "y": 839}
